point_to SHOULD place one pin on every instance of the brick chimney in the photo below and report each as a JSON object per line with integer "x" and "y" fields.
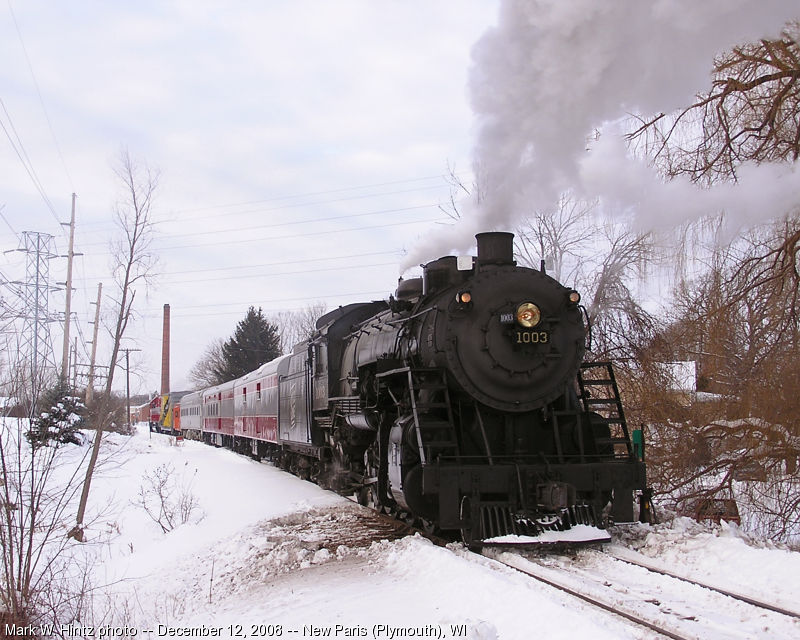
{"x": 165, "y": 354}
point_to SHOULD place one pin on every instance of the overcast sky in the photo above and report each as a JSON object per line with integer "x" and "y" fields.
{"x": 302, "y": 147}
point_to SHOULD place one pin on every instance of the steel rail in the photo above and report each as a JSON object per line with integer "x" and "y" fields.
{"x": 597, "y": 603}
{"x": 731, "y": 594}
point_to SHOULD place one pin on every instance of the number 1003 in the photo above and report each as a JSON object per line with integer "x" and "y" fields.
{"x": 532, "y": 337}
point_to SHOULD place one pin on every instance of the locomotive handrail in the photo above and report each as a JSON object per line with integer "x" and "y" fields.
{"x": 483, "y": 434}
{"x": 392, "y": 372}
{"x": 541, "y": 459}
{"x": 411, "y": 317}
{"x": 415, "y": 415}
{"x": 588, "y": 343}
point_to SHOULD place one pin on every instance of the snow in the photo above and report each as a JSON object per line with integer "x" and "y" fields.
{"x": 578, "y": 533}
{"x": 270, "y": 555}
{"x": 723, "y": 557}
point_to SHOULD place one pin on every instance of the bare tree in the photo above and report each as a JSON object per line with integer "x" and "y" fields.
{"x": 559, "y": 236}
{"x": 458, "y": 190}
{"x": 738, "y": 433}
{"x": 620, "y": 324}
{"x": 37, "y": 487}
{"x": 603, "y": 260}
{"x": 203, "y": 373}
{"x": 298, "y": 326}
{"x": 132, "y": 262}
{"x": 167, "y": 497}
{"x": 737, "y": 317}
{"x": 751, "y": 114}
{"x": 774, "y": 264}
{"x": 293, "y": 327}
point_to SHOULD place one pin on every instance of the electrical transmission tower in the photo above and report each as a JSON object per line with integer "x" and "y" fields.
{"x": 36, "y": 346}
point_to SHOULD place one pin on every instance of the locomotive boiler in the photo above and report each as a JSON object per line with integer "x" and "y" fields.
{"x": 463, "y": 401}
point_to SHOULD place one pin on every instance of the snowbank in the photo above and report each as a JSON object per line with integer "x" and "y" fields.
{"x": 267, "y": 554}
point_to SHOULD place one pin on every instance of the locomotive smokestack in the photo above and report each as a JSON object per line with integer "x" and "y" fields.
{"x": 165, "y": 353}
{"x": 495, "y": 247}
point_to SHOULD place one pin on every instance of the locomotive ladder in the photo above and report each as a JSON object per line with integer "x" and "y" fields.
{"x": 433, "y": 413}
{"x": 600, "y": 394}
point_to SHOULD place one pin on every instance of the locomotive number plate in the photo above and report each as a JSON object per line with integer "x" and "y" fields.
{"x": 531, "y": 337}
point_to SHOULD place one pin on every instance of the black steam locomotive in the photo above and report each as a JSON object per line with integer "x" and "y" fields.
{"x": 463, "y": 401}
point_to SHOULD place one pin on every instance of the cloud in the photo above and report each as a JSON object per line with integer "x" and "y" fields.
{"x": 763, "y": 191}
{"x": 239, "y": 102}
{"x": 550, "y": 73}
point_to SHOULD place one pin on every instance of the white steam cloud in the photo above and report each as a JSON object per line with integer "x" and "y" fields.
{"x": 762, "y": 191}
{"x": 553, "y": 71}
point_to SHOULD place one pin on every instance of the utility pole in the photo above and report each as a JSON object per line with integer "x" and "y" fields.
{"x": 68, "y": 309}
{"x": 90, "y": 387}
{"x": 128, "y": 380}
{"x": 74, "y": 364}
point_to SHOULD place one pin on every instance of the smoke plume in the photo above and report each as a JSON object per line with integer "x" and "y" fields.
{"x": 553, "y": 72}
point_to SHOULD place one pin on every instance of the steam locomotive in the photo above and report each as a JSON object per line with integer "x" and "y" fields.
{"x": 463, "y": 402}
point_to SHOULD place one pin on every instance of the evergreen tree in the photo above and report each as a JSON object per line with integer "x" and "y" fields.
{"x": 59, "y": 420}
{"x": 255, "y": 341}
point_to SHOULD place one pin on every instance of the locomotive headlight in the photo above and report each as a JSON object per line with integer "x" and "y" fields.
{"x": 574, "y": 297}
{"x": 463, "y": 297}
{"x": 528, "y": 315}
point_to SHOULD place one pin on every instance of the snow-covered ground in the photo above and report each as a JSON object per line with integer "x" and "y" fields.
{"x": 266, "y": 554}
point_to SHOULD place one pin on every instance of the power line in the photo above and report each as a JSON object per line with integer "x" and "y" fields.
{"x": 7, "y": 222}
{"x": 312, "y": 203}
{"x": 285, "y": 236}
{"x": 306, "y": 235}
{"x": 39, "y": 92}
{"x": 348, "y": 216}
{"x": 239, "y": 229}
{"x": 272, "y": 225}
{"x": 320, "y": 193}
{"x": 287, "y": 273}
{"x": 383, "y": 194}
{"x": 22, "y": 154}
{"x": 261, "y": 301}
{"x": 270, "y": 275}
{"x": 284, "y": 262}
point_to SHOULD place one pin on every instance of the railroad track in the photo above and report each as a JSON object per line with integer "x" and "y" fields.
{"x": 666, "y": 604}
{"x": 680, "y": 616}
{"x": 669, "y": 605}
{"x": 624, "y": 557}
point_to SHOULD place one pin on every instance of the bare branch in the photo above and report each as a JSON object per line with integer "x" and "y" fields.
{"x": 133, "y": 261}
